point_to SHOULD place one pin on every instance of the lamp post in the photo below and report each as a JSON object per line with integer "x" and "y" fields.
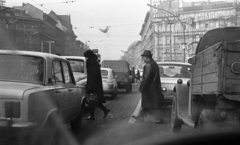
{"x": 183, "y": 25}
{"x": 30, "y": 34}
{"x": 7, "y": 23}
{"x": 50, "y": 45}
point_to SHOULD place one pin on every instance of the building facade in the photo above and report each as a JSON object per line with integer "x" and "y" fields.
{"x": 172, "y": 30}
{"x": 28, "y": 28}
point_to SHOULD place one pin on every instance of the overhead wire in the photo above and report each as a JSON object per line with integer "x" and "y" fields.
{"x": 84, "y": 36}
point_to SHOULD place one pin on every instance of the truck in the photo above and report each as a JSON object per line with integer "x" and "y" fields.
{"x": 211, "y": 98}
{"x": 122, "y": 71}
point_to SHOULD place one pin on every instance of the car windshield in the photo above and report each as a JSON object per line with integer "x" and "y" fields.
{"x": 77, "y": 65}
{"x": 104, "y": 73}
{"x": 21, "y": 68}
{"x": 174, "y": 71}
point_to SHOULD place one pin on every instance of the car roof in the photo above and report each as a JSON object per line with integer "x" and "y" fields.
{"x": 178, "y": 63}
{"x": 75, "y": 57}
{"x": 31, "y": 53}
{"x": 104, "y": 68}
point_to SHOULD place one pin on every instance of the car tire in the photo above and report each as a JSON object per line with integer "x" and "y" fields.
{"x": 206, "y": 121}
{"x": 128, "y": 89}
{"x": 116, "y": 93}
{"x": 113, "y": 95}
{"x": 49, "y": 133}
{"x": 176, "y": 123}
{"x": 77, "y": 122}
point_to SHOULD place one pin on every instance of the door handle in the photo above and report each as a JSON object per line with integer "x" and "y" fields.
{"x": 57, "y": 91}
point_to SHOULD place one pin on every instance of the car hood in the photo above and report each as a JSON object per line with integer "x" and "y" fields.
{"x": 173, "y": 80}
{"x": 14, "y": 90}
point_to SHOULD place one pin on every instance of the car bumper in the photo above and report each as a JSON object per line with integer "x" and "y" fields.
{"x": 16, "y": 129}
{"x": 168, "y": 97}
{"x": 108, "y": 91}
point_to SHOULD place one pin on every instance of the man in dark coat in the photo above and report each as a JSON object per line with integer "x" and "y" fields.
{"x": 152, "y": 97}
{"x": 94, "y": 83}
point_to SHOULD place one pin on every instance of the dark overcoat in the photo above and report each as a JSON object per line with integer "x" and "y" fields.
{"x": 94, "y": 78}
{"x": 150, "y": 87}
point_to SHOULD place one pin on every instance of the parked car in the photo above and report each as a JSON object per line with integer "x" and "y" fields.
{"x": 35, "y": 88}
{"x": 122, "y": 70}
{"x": 110, "y": 85}
{"x": 78, "y": 65}
{"x": 170, "y": 72}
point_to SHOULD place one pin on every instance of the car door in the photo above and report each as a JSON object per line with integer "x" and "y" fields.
{"x": 59, "y": 85}
{"x": 72, "y": 96}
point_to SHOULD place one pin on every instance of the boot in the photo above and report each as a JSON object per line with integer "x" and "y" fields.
{"x": 138, "y": 118}
{"x": 106, "y": 113}
{"x": 90, "y": 117}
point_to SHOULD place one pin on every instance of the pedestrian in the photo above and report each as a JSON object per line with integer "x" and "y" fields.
{"x": 138, "y": 76}
{"x": 94, "y": 83}
{"x": 133, "y": 75}
{"x": 152, "y": 97}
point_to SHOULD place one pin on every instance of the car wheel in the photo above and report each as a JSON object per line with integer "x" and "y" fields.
{"x": 176, "y": 123}
{"x": 116, "y": 93}
{"x": 128, "y": 88}
{"x": 206, "y": 121}
{"x": 49, "y": 133}
{"x": 113, "y": 95}
{"x": 77, "y": 122}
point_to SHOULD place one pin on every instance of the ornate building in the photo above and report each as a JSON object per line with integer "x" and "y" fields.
{"x": 171, "y": 31}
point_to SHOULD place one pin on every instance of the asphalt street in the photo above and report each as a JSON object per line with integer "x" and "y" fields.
{"x": 120, "y": 129}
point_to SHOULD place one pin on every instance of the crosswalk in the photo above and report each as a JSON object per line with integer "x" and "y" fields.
{"x": 135, "y": 112}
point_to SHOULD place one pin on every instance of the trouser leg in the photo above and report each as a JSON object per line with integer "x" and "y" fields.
{"x": 143, "y": 113}
{"x": 158, "y": 114}
{"x": 91, "y": 111}
{"x": 102, "y": 107}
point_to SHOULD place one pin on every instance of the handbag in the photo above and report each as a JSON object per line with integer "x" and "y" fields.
{"x": 92, "y": 100}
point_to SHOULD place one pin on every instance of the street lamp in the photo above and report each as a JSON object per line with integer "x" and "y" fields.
{"x": 30, "y": 34}
{"x": 183, "y": 25}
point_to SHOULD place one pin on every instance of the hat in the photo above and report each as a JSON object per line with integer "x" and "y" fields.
{"x": 88, "y": 53}
{"x": 147, "y": 53}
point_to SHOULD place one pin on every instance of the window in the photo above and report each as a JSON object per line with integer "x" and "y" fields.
{"x": 21, "y": 68}
{"x": 67, "y": 76}
{"x": 176, "y": 40}
{"x": 57, "y": 75}
{"x": 77, "y": 65}
{"x": 167, "y": 39}
{"x": 174, "y": 71}
{"x": 104, "y": 73}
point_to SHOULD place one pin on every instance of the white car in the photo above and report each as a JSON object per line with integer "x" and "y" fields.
{"x": 170, "y": 73}
{"x": 78, "y": 66}
{"x": 110, "y": 85}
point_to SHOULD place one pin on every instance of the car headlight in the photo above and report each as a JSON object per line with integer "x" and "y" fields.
{"x": 164, "y": 89}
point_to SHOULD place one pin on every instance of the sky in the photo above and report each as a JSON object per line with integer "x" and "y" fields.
{"x": 125, "y": 18}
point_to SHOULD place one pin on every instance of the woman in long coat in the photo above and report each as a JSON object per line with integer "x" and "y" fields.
{"x": 94, "y": 83}
{"x": 152, "y": 97}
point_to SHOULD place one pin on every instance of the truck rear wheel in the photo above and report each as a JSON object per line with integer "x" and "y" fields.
{"x": 206, "y": 121}
{"x": 176, "y": 123}
{"x": 128, "y": 89}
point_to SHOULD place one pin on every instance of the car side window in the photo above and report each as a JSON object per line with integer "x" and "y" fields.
{"x": 67, "y": 76}
{"x": 113, "y": 75}
{"x": 57, "y": 75}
